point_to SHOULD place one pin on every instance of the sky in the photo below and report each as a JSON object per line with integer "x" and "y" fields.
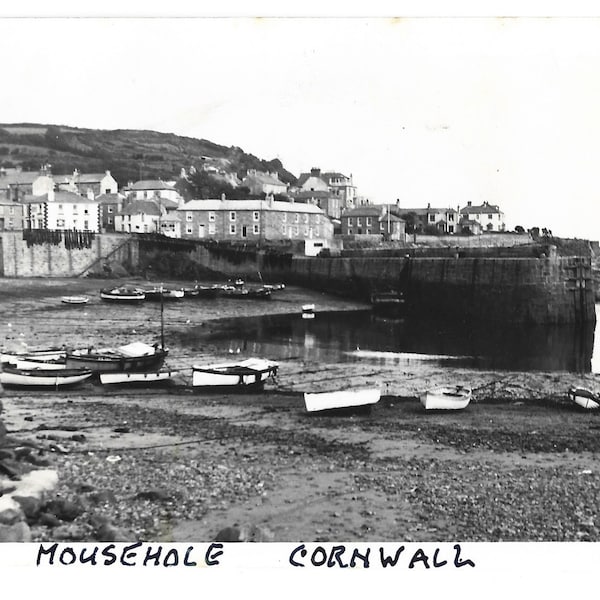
{"x": 432, "y": 110}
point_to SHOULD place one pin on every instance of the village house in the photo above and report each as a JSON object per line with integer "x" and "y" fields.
{"x": 11, "y": 215}
{"x": 152, "y": 189}
{"x": 337, "y": 184}
{"x": 444, "y": 220}
{"x": 489, "y": 216}
{"x": 61, "y": 210}
{"x": 15, "y": 183}
{"x": 140, "y": 216}
{"x": 328, "y": 203}
{"x": 253, "y": 220}
{"x": 110, "y": 206}
{"x": 263, "y": 183}
{"x": 372, "y": 219}
{"x": 87, "y": 183}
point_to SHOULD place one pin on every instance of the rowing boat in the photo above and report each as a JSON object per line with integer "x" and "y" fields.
{"x": 129, "y": 377}
{"x": 341, "y": 399}
{"x": 250, "y": 372}
{"x": 13, "y": 377}
{"x": 446, "y": 398}
{"x": 584, "y": 398}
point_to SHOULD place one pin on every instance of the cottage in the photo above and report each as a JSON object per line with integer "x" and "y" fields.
{"x": 253, "y": 220}
{"x": 489, "y": 216}
{"x": 325, "y": 200}
{"x": 61, "y": 210}
{"x": 140, "y": 216}
{"x": 263, "y": 183}
{"x": 152, "y": 189}
{"x": 338, "y": 185}
{"x": 87, "y": 183}
{"x": 15, "y": 183}
{"x": 11, "y": 215}
{"x": 110, "y": 206}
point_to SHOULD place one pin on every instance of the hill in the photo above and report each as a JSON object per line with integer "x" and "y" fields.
{"x": 129, "y": 154}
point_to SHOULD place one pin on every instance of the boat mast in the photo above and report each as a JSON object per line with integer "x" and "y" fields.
{"x": 162, "y": 319}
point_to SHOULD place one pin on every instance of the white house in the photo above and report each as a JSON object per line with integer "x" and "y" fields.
{"x": 150, "y": 189}
{"x": 61, "y": 210}
{"x": 140, "y": 216}
{"x": 489, "y": 216}
{"x": 85, "y": 183}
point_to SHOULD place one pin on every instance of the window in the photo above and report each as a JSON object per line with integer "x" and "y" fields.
{"x": 306, "y": 218}
{"x": 349, "y": 231}
{"x": 358, "y": 221}
{"x": 110, "y": 220}
{"x": 283, "y": 228}
{"x": 232, "y": 228}
{"x": 107, "y": 191}
{"x": 256, "y": 229}
{"x": 109, "y": 209}
{"x": 60, "y": 222}
{"x": 11, "y": 210}
{"x": 232, "y": 216}
{"x": 305, "y": 231}
{"x": 368, "y": 232}
{"x": 60, "y": 208}
{"x": 490, "y": 216}
{"x": 316, "y": 232}
{"x": 85, "y": 211}
{"x": 284, "y": 217}
{"x": 318, "y": 218}
{"x": 381, "y": 226}
{"x": 211, "y": 229}
{"x": 189, "y": 229}
{"x": 188, "y": 216}
{"x": 451, "y": 217}
{"x": 211, "y": 216}
{"x": 296, "y": 230}
{"x": 350, "y": 222}
{"x": 256, "y": 215}
{"x": 431, "y": 217}
{"x": 368, "y": 221}
{"x": 86, "y": 225}
{"x": 296, "y": 218}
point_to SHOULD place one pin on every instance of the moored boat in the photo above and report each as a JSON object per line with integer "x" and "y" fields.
{"x": 341, "y": 399}
{"x": 137, "y": 378}
{"x": 74, "y": 299}
{"x": 136, "y": 356}
{"x": 446, "y": 398}
{"x": 246, "y": 293}
{"x": 124, "y": 294}
{"x": 155, "y": 293}
{"x": 51, "y": 354}
{"x": 14, "y": 377}
{"x": 253, "y": 372}
{"x": 308, "y": 311}
{"x": 584, "y": 398}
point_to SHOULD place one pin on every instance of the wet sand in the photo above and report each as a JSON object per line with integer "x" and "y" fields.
{"x": 519, "y": 463}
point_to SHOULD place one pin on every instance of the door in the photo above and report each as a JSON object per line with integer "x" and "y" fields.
{"x": 201, "y": 231}
{"x": 244, "y": 231}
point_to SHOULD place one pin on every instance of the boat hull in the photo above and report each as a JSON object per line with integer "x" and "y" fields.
{"x": 106, "y": 363}
{"x": 249, "y": 373}
{"x": 342, "y": 399}
{"x": 137, "y": 378}
{"x": 123, "y": 298}
{"x": 584, "y": 398}
{"x": 33, "y": 378}
{"x": 74, "y": 299}
{"x": 446, "y": 398}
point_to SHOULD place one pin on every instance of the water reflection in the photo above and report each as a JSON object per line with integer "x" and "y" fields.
{"x": 336, "y": 337}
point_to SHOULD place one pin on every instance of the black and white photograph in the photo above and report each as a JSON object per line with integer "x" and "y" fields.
{"x": 300, "y": 280}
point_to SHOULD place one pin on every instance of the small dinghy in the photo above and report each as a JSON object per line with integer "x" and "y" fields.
{"x": 250, "y": 372}
{"x": 342, "y": 399}
{"x": 446, "y": 398}
{"x": 74, "y": 299}
{"x": 584, "y": 398}
{"x": 308, "y": 311}
{"x": 167, "y": 294}
{"x": 137, "y": 378}
{"x": 13, "y": 377}
{"x": 123, "y": 294}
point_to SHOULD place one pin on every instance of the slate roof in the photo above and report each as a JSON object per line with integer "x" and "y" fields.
{"x": 484, "y": 208}
{"x": 370, "y": 210}
{"x": 59, "y": 198}
{"x": 137, "y": 207}
{"x": 277, "y": 205}
{"x": 109, "y": 198}
{"x": 264, "y": 178}
{"x": 150, "y": 184}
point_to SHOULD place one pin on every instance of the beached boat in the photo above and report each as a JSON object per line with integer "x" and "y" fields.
{"x": 250, "y": 372}
{"x": 48, "y": 355}
{"x": 74, "y": 299}
{"x": 137, "y": 378}
{"x": 584, "y": 398}
{"x": 155, "y": 293}
{"x": 247, "y": 293}
{"x": 13, "y": 377}
{"x": 202, "y": 291}
{"x": 446, "y": 398}
{"x": 341, "y": 399}
{"x": 124, "y": 294}
{"x": 136, "y": 356}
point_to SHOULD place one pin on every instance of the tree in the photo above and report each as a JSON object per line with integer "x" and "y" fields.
{"x": 203, "y": 185}
{"x": 519, "y": 229}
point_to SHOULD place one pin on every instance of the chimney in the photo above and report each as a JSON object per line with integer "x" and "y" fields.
{"x": 315, "y": 172}
{"x": 90, "y": 194}
{"x": 469, "y": 203}
{"x": 428, "y": 205}
{"x": 107, "y": 173}
{"x": 223, "y": 196}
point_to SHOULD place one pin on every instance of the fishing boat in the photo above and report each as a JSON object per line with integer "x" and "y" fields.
{"x": 74, "y": 299}
{"x": 155, "y": 293}
{"x": 136, "y": 356}
{"x": 446, "y": 398}
{"x": 308, "y": 311}
{"x": 247, "y": 293}
{"x": 123, "y": 294}
{"x": 584, "y": 398}
{"x": 341, "y": 399}
{"x": 48, "y": 355}
{"x": 137, "y": 378}
{"x": 14, "y": 377}
{"x": 251, "y": 372}
{"x": 202, "y": 291}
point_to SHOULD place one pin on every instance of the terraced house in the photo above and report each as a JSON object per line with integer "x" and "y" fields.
{"x": 253, "y": 220}
{"x": 61, "y": 210}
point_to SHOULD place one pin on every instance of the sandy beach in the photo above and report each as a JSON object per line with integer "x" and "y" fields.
{"x": 172, "y": 464}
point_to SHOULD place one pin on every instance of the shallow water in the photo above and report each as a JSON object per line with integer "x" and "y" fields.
{"x": 361, "y": 335}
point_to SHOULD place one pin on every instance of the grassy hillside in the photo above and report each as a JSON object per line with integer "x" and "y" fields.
{"x": 128, "y": 153}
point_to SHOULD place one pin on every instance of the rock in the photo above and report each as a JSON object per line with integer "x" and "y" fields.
{"x": 155, "y": 495}
{"x": 18, "y": 532}
{"x": 2, "y": 432}
{"x": 102, "y": 497}
{"x": 107, "y": 532}
{"x": 7, "y": 454}
{"x": 10, "y": 516}
{"x": 47, "y": 520}
{"x": 78, "y": 437}
{"x": 64, "y": 509}
{"x": 9, "y": 468}
{"x": 121, "y": 429}
{"x": 29, "y": 505}
{"x": 70, "y": 532}
{"x": 244, "y": 533}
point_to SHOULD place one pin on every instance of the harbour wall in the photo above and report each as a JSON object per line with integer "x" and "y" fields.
{"x": 65, "y": 255}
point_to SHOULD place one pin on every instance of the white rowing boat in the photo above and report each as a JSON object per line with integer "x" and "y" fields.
{"x": 446, "y": 398}
{"x": 11, "y": 376}
{"x": 341, "y": 399}
{"x": 74, "y": 299}
{"x": 249, "y": 372}
{"x": 158, "y": 376}
{"x": 584, "y": 398}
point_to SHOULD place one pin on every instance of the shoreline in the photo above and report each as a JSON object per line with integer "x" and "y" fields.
{"x": 171, "y": 464}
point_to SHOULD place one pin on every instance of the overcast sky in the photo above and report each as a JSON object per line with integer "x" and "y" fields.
{"x": 424, "y": 110}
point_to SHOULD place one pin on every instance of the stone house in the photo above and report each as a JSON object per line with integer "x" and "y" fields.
{"x": 331, "y": 205}
{"x": 140, "y": 216}
{"x": 15, "y": 183}
{"x": 11, "y": 215}
{"x": 338, "y": 185}
{"x": 110, "y": 206}
{"x": 253, "y": 220}
{"x": 373, "y": 220}
{"x": 263, "y": 183}
{"x": 445, "y": 220}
